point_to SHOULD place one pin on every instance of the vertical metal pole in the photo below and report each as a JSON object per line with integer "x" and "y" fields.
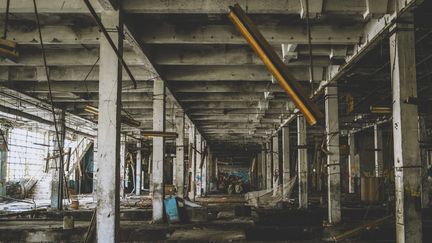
{"x": 179, "y": 167}
{"x": 302, "y": 162}
{"x": 378, "y": 151}
{"x": 138, "y": 170}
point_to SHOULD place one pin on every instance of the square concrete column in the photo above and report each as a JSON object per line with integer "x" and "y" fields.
{"x": 269, "y": 160}
{"x": 198, "y": 174}
{"x": 108, "y": 171}
{"x": 276, "y": 171}
{"x": 95, "y": 166}
{"x": 378, "y": 151}
{"x": 333, "y": 156}
{"x": 351, "y": 163}
{"x": 138, "y": 169}
{"x": 407, "y": 162}
{"x": 3, "y": 163}
{"x": 158, "y": 149}
{"x": 56, "y": 168}
{"x": 263, "y": 167}
{"x": 191, "y": 162}
{"x": 302, "y": 162}
{"x": 204, "y": 161}
{"x": 425, "y": 122}
{"x": 286, "y": 157}
{"x": 179, "y": 161}
{"x": 123, "y": 182}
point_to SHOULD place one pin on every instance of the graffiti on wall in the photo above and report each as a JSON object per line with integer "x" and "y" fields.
{"x": 233, "y": 179}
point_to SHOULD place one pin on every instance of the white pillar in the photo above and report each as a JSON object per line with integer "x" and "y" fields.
{"x": 198, "y": 174}
{"x": 351, "y": 163}
{"x": 179, "y": 166}
{"x": 123, "y": 182}
{"x": 405, "y": 134}
{"x": 333, "y": 157}
{"x": 286, "y": 156}
{"x": 191, "y": 162}
{"x": 378, "y": 151}
{"x": 302, "y": 162}
{"x": 269, "y": 175}
{"x": 108, "y": 172}
{"x": 276, "y": 171}
{"x": 158, "y": 149}
{"x": 3, "y": 163}
{"x": 204, "y": 169}
{"x": 138, "y": 170}
{"x": 263, "y": 167}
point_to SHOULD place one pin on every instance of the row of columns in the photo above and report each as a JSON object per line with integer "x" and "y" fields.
{"x": 405, "y": 127}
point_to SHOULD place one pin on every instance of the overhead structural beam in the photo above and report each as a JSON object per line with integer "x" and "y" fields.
{"x": 274, "y": 64}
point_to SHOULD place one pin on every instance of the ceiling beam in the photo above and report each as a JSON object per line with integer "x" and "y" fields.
{"x": 227, "y": 34}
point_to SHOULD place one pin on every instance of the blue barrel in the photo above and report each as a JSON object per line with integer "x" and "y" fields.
{"x": 171, "y": 210}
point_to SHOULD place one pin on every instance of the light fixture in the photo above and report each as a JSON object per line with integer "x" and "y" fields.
{"x": 274, "y": 64}
{"x": 159, "y": 134}
{"x": 123, "y": 119}
{"x": 381, "y": 109}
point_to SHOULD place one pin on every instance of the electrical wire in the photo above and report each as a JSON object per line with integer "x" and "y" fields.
{"x": 60, "y": 149}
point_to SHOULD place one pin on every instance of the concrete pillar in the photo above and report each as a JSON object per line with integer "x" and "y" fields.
{"x": 333, "y": 156}
{"x": 108, "y": 171}
{"x": 263, "y": 167}
{"x": 179, "y": 165}
{"x": 378, "y": 151}
{"x": 351, "y": 163}
{"x": 192, "y": 159}
{"x": 123, "y": 182}
{"x": 198, "y": 157}
{"x": 3, "y": 163}
{"x": 204, "y": 169}
{"x": 276, "y": 172}
{"x": 286, "y": 156}
{"x": 269, "y": 176}
{"x": 405, "y": 134}
{"x": 95, "y": 165}
{"x": 138, "y": 170}
{"x": 302, "y": 162}
{"x": 425, "y": 122}
{"x": 56, "y": 168}
{"x": 158, "y": 149}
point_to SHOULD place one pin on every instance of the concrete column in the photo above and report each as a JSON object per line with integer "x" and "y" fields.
{"x": 3, "y": 163}
{"x": 108, "y": 172}
{"x": 425, "y": 122}
{"x": 405, "y": 134}
{"x": 158, "y": 149}
{"x": 56, "y": 168}
{"x": 351, "y": 163}
{"x": 192, "y": 158}
{"x": 204, "y": 169}
{"x": 333, "y": 156}
{"x": 179, "y": 166}
{"x": 302, "y": 162}
{"x": 263, "y": 167}
{"x": 138, "y": 170}
{"x": 378, "y": 150}
{"x": 276, "y": 171}
{"x": 198, "y": 157}
{"x": 286, "y": 156}
{"x": 95, "y": 165}
{"x": 269, "y": 176}
{"x": 123, "y": 182}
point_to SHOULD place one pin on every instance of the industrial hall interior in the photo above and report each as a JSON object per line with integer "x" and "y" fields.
{"x": 216, "y": 121}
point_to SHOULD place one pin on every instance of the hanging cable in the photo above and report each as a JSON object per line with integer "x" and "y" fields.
{"x": 311, "y": 74}
{"x": 6, "y": 20}
{"x": 60, "y": 149}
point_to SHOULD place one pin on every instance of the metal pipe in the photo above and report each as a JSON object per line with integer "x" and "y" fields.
{"x": 274, "y": 64}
